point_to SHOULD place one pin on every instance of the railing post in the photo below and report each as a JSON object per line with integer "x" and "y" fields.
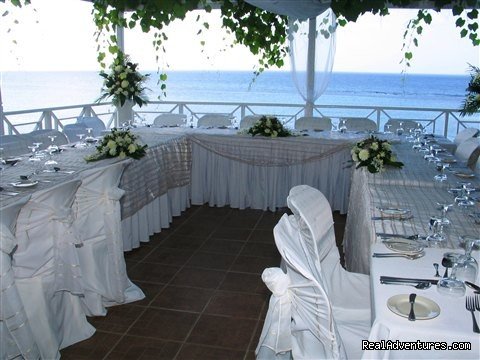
{"x": 378, "y": 118}
{"x": 47, "y": 119}
{"x": 445, "y": 127}
{"x": 180, "y": 108}
{"x": 87, "y": 111}
{"x": 242, "y": 112}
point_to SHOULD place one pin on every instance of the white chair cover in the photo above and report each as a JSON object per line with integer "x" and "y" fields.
{"x": 248, "y": 121}
{"x": 215, "y": 120}
{"x": 92, "y": 122}
{"x": 360, "y": 124}
{"x": 43, "y": 137}
{"x": 469, "y": 151}
{"x": 312, "y": 327}
{"x": 406, "y": 125}
{"x": 13, "y": 145}
{"x": 348, "y": 292}
{"x": 170, "y": 120}
{"x": 313, "y": 123}
{"x": 47, "y": 271}
{"x": 16, "y": 339}
{"x": 97, "y": 221}
{"x": 477, "y": 166}
{"x": 465, "y": 134}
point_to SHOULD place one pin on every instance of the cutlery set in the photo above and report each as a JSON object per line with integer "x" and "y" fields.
{"x": 472, "y": 303}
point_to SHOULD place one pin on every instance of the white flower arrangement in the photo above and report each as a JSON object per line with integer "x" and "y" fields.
{"x": 269, "y": 126}
{"x": 375, "y": 154}
{"x": 121, "y": 143}
{"x": 123, "y": 82}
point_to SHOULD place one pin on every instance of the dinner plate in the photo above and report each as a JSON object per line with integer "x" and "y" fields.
{"x": 405, "y": 246}
{"x": 25, "y": 184}
{"x": 449, "y": 161}
{"x": 12, "y": 160}
{"x": 424, "y": 308}
{"x": 465, "y": 175}
{"x": 394, "y": 212}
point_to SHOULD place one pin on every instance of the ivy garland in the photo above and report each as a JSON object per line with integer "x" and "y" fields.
{"x": 264, "y": 33}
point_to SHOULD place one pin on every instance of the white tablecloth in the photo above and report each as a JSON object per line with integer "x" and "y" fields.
{"x": 454, "y": 324}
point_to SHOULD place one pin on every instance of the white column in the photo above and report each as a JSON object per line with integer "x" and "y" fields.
{"x": 312, "y": 26}
{"x": 124, "y": 113}
{"x": 2, "y": 129}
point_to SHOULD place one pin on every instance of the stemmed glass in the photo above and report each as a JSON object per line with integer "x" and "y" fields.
{"x": 451, "y": 285}
{"x": 442, "y": 176}
{"x": 89, "y": 138}
{"x": 388, "y": 129}
{"x": 436, "y": 226}
{"x": 342, "y": 126}
{"x": 400, "y": 129}
{"x": 467, "y": 268}
{"x": 50, "y": 163}
{"x": 444, "y": 207}
{"x": 81, "y": 143}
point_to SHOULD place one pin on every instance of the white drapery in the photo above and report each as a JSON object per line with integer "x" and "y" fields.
{"x": 297, "y": 9}
{"x": 312, "y": 52}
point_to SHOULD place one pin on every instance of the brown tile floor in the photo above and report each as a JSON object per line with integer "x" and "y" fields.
{"x": 204, "y": 295}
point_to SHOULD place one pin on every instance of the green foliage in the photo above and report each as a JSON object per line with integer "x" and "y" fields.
{"x": 471, "y": 104}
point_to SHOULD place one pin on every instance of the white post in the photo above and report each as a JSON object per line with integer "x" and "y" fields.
{"x": 2, "y": 128}
{"x": 312, "y": 28}
{"x": 124, "y": 113}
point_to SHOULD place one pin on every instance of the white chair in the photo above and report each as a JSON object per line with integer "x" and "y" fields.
{"x": 469, "y": 151}
{"x": 16, "y": 339}
{"x": 360, "y": 124}
{"x": 170, "y": 120}
{"x": 42, "y": 136}
{"x": 348, "y": 292}
{"x": 73, "y": 130}
{"x": 93, "y": 122}
{"x": 313, "y": 123}
{"x": 477, "y": 166}
{"x": 248, "y": 121}
{"x": 97, "y": 221}
{"x": 300, "y": 314}
{"x": 13, "y": 145}
{"x": 47, "y": 271}
{"x": 465, "y": 134}
{"x": 393, "y": 125}
{"x": 215, "y": 120}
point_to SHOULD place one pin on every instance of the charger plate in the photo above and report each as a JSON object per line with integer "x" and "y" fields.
{"x": 424, "y": 308}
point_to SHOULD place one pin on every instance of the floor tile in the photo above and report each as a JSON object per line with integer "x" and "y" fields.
{"x": 151, "y": 290}
{"x": 234, "y": 304}
{"x": 211, "y": 260}
{"x": 202, "y": 278}
{"x": 222, "y": 246}
{"x": 152, "y": 272}
{"x": 254, "y": 264}
{"x": 221, "y": 331}
{"x": 262, "y": 236}
{"x": 231, "y": 233}
{"x": 169, "y": 256}
{"x": 198, "y": 352}
{"x": 194, "y": 229}
{"x": 260, "y": 250}
{"x": 183, "y": 242}
{"x": 95, "y": 347}
{"x": 141, "y": 348}
{"x": 118, "y": 318}
{"x": 183, "y": 298}
{"x": 164, "y": 324}
{"x": 139, "y": 253}
{"x": 250, "y": 283}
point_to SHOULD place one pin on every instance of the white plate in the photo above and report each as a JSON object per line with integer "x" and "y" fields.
{"x": 395, "y": 213}
{"x": 424, "y": 308}
{"x": 21, "y": 184}
{"x": 405, "y": 246}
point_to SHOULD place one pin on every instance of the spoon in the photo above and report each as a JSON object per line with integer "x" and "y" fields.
{"x": 435, "y": 265}
{"x": 447, "y": 263}
{"x": 411, "y": 300}
{"x": 407, "y": 256}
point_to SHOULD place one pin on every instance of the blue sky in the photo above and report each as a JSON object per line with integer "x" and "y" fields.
{"x": 63, "y": 40}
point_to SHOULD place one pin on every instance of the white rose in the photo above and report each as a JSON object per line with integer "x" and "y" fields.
{"x": 355, "y": 157}
{"x": 113, "y": 151}
{"x": 111, "y": 144}
{"x": 374, "y": 146}
{"x": 267, "y": 131}
{"x": 386, "y": 146}
{"x": 363, "y": 154}
{"x": 274, "y": 133}
{"x": 132, "y": 148}
{"x": 118, "y": 68}
{"x": 123, "y": 75}
{"x": 125, "y": 84}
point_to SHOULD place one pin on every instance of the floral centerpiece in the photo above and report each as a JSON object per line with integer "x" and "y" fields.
{"x": 471, "y": 104}
{"x": 375, "y": 154}
{"x": 269, "y": 126}
{"x": 123, "y": 82}
{"x": 121, "y": 143}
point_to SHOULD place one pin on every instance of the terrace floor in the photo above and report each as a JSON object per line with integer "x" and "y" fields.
{"x": 205, "y": 298}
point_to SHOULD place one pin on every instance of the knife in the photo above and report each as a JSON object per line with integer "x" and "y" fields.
{"x": 472, "y": 285}
{"x": 412, "y": 280}
{"x": 387, "y": 235}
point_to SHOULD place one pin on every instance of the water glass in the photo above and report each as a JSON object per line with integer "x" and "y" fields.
{"x": 451, "y": 286}
{"x": 436, "y": 227}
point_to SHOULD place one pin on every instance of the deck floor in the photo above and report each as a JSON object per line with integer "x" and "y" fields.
{"x": 204, "y": 295}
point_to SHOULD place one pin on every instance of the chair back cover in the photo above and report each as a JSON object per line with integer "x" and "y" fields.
{"x": 469, "y": 151}
{"x": 313, "y": 123}
{"x": 360, "y": 124}
{"x": 43, "y": 137}
{"x": 16, "y": 338}
{"x": 465, "y": 134}
{"x": 248, "y": 121}
{"x": 72, "y": 130}
{"x": 170, "y": 120}
{"x": 97, "y": 221}
{"x": 14, "y": 145}
{"x": 215, "y": 120}
{"x": 47, "y": 271}
{"x": 406, "y": 125}
{"x": 92, "y": 122}
{"x": 313, "y": 329}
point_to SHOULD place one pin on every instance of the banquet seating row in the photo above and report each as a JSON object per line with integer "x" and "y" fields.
{"x": 317, "y": 309}
{"x": 64, "y": 257}
{"x": 468, "y": 151}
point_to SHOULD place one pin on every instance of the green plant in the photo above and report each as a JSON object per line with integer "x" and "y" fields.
{"x": 269, "y": 126}
{"x": 374, "y": 154}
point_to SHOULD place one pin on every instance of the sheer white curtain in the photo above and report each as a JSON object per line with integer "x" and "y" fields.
{"x": 298, "y": 9}
{"x": 312, "y": 52}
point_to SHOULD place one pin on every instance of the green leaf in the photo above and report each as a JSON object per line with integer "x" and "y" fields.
{"x": 463, "y": 33}
{"x": 5, "y": 13}
{"x": 460, "y": 22}
{"x": 473, "y": 14}
{"x": 419, "y": 30}
{"x": 163, "y": 77}
{"x": 415, "y": 42}
{"x": 408, "y": 55}
{"x": 457, "y": 10}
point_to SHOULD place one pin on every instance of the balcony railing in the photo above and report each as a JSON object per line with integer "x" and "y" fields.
{"x": 445, "y": 122}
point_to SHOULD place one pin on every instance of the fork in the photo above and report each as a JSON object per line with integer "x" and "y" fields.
{"x": 470, "y": 304}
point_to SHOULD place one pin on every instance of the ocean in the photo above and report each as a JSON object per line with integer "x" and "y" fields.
{"x": 31, "y": 90}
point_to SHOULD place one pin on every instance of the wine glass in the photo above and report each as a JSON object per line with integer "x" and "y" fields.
{"x": 452, "y": 286}
{"x": 342, "y": 126}
{"x": 400, "y": 129}
{"x": 444, "y": 207}
{"x": 441, "y": 167}
{"x": 436, "y": 226}
{"x": 51, "y": 163}
{"x": 52, "y": 147}
{"x": 467, "y": 269}
{"x": 81, "y": 143}
{"x": 388, "y": 128}
{"x": 89, "y": 138}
